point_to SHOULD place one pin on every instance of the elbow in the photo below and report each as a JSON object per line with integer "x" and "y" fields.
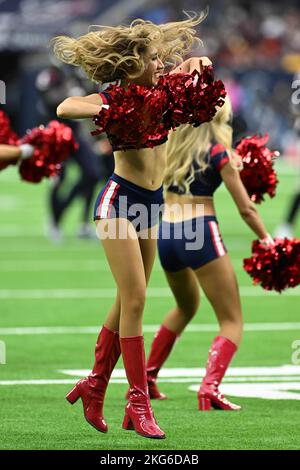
{"x": 62, "y": 109}
{"x": 248, "y": 212}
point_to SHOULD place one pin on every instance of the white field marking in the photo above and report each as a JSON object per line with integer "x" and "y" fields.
{"x": 108, "y": 293}
{"x": 8, "y": 203}
{"x": 247, "y": 389}
{"x": 48, "y": 247}
{"x": 194, "y": 328}
{"x": 190, "y": 373}
{"x": 53, "y": 265}
{"x": 270, "y": 391}
{"x": 283, "y": 380}
{"x": 37, "y": 382}
{"x": 69, "y": 265}
{"x": 234, "y": 244}
{"x": 20, "y": 231}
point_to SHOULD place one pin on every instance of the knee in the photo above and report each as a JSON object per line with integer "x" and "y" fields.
{"x": 133, "y": 303}
{"x": 189, "y": 309}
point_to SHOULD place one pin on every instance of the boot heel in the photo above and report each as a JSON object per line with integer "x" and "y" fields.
{"x": 204, "y": 404}
{"x": 73, "y": 395}
{"x": 127, "y": 423}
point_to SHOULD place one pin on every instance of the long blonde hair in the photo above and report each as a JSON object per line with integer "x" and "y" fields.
{"x": 189, "y": 144}
{"x": 118, "y": 52}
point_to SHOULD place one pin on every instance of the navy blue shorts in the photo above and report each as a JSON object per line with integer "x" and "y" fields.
{"x": 178, "y": 247}
{"x": 122, "y": 199}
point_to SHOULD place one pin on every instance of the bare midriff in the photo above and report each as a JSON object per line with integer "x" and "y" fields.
{"x": 144, "y": 167}
{"x": 180, "y": 207}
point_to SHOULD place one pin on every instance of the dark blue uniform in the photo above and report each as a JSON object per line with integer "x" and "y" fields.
{"x": 121, "y": 198}
{"x": 195, "y": 242}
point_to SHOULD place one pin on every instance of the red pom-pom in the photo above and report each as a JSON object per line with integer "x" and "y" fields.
{"x": 276, "y": 268}
{"x": 7, "y": 136}
{"x": 192, "y": 98}
{"x": 258, "y": 174}
{"x": 133, "y": 117}
{"x": 141, "y": 117}
{"x": 53, "y": 144}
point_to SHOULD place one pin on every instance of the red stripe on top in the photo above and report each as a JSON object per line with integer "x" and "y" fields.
{"x": 222, "y": 162}
{"x": 103, "y": 97}
{"x": 218, "y": 148}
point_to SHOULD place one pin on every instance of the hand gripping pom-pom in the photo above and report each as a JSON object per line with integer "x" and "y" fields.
{"x": 134, "y": 117}
{"x": 53, "y": 144}
{"x": 258, "y": 174}
{"x": 192, "y": 98}
{"x": 276, "y": 268}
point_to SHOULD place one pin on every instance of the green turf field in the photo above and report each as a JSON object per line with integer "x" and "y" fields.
{"x": 44, "y": 287}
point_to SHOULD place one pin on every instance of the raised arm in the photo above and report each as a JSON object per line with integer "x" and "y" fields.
{"x": 191, "y": 64}
{"x": 80, "y": 107}
{"x": 247, "y": 209}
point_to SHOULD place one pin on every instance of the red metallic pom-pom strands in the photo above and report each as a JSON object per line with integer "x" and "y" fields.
{"x": 140, "y": 117}
{"x": 192, "y": 98}
{"x": 7, "y": 136}
{"x": 134, "y": 116}
{"x": 258, "y": 174}
{"x": 53, "y": 144}
{"x": 276, "y": 268}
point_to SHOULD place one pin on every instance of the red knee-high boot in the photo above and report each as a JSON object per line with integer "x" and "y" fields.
{"x": 161, "y": 347}
{"x": 92, "y": 388}
{"x": 220, "y": 355}
{"x": 138, "y": 412}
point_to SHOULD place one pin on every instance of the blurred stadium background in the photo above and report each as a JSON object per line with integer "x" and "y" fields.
{"x": 53, "y": 295}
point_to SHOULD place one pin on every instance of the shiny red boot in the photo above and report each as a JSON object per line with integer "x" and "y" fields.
{"x": 138, "y": 412}
{"x": 161, "y": 347}
{"x": 209, "y": 396}
{"x": 92, "y": 389}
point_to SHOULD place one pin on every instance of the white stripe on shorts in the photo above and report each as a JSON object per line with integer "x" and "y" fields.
{"x": 217, "y": 238}
{"x": 107, "y": 199}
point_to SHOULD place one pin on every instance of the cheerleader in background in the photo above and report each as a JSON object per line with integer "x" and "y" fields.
{"x": 53, "y": 84}
{"x": 198, "y": 161}
{"x": 129, "y": 55}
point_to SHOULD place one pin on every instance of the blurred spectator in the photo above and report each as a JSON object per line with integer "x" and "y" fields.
{"x": 54, "y": 85}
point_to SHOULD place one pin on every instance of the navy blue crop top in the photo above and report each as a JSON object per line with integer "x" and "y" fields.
{"x": 207, "y": 181}
{"x": 158, "y": 138}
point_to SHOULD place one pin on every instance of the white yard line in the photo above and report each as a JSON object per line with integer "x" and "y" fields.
{"x": 287, "y": 374}
{"x": 69, "y": 265}
{"x": 194, "y": 328}
{"x": 184, "y": 372}
{"x": 175, "y": 380}
{"x": 152, "y": 292}
{"x": 53, "y": 265}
